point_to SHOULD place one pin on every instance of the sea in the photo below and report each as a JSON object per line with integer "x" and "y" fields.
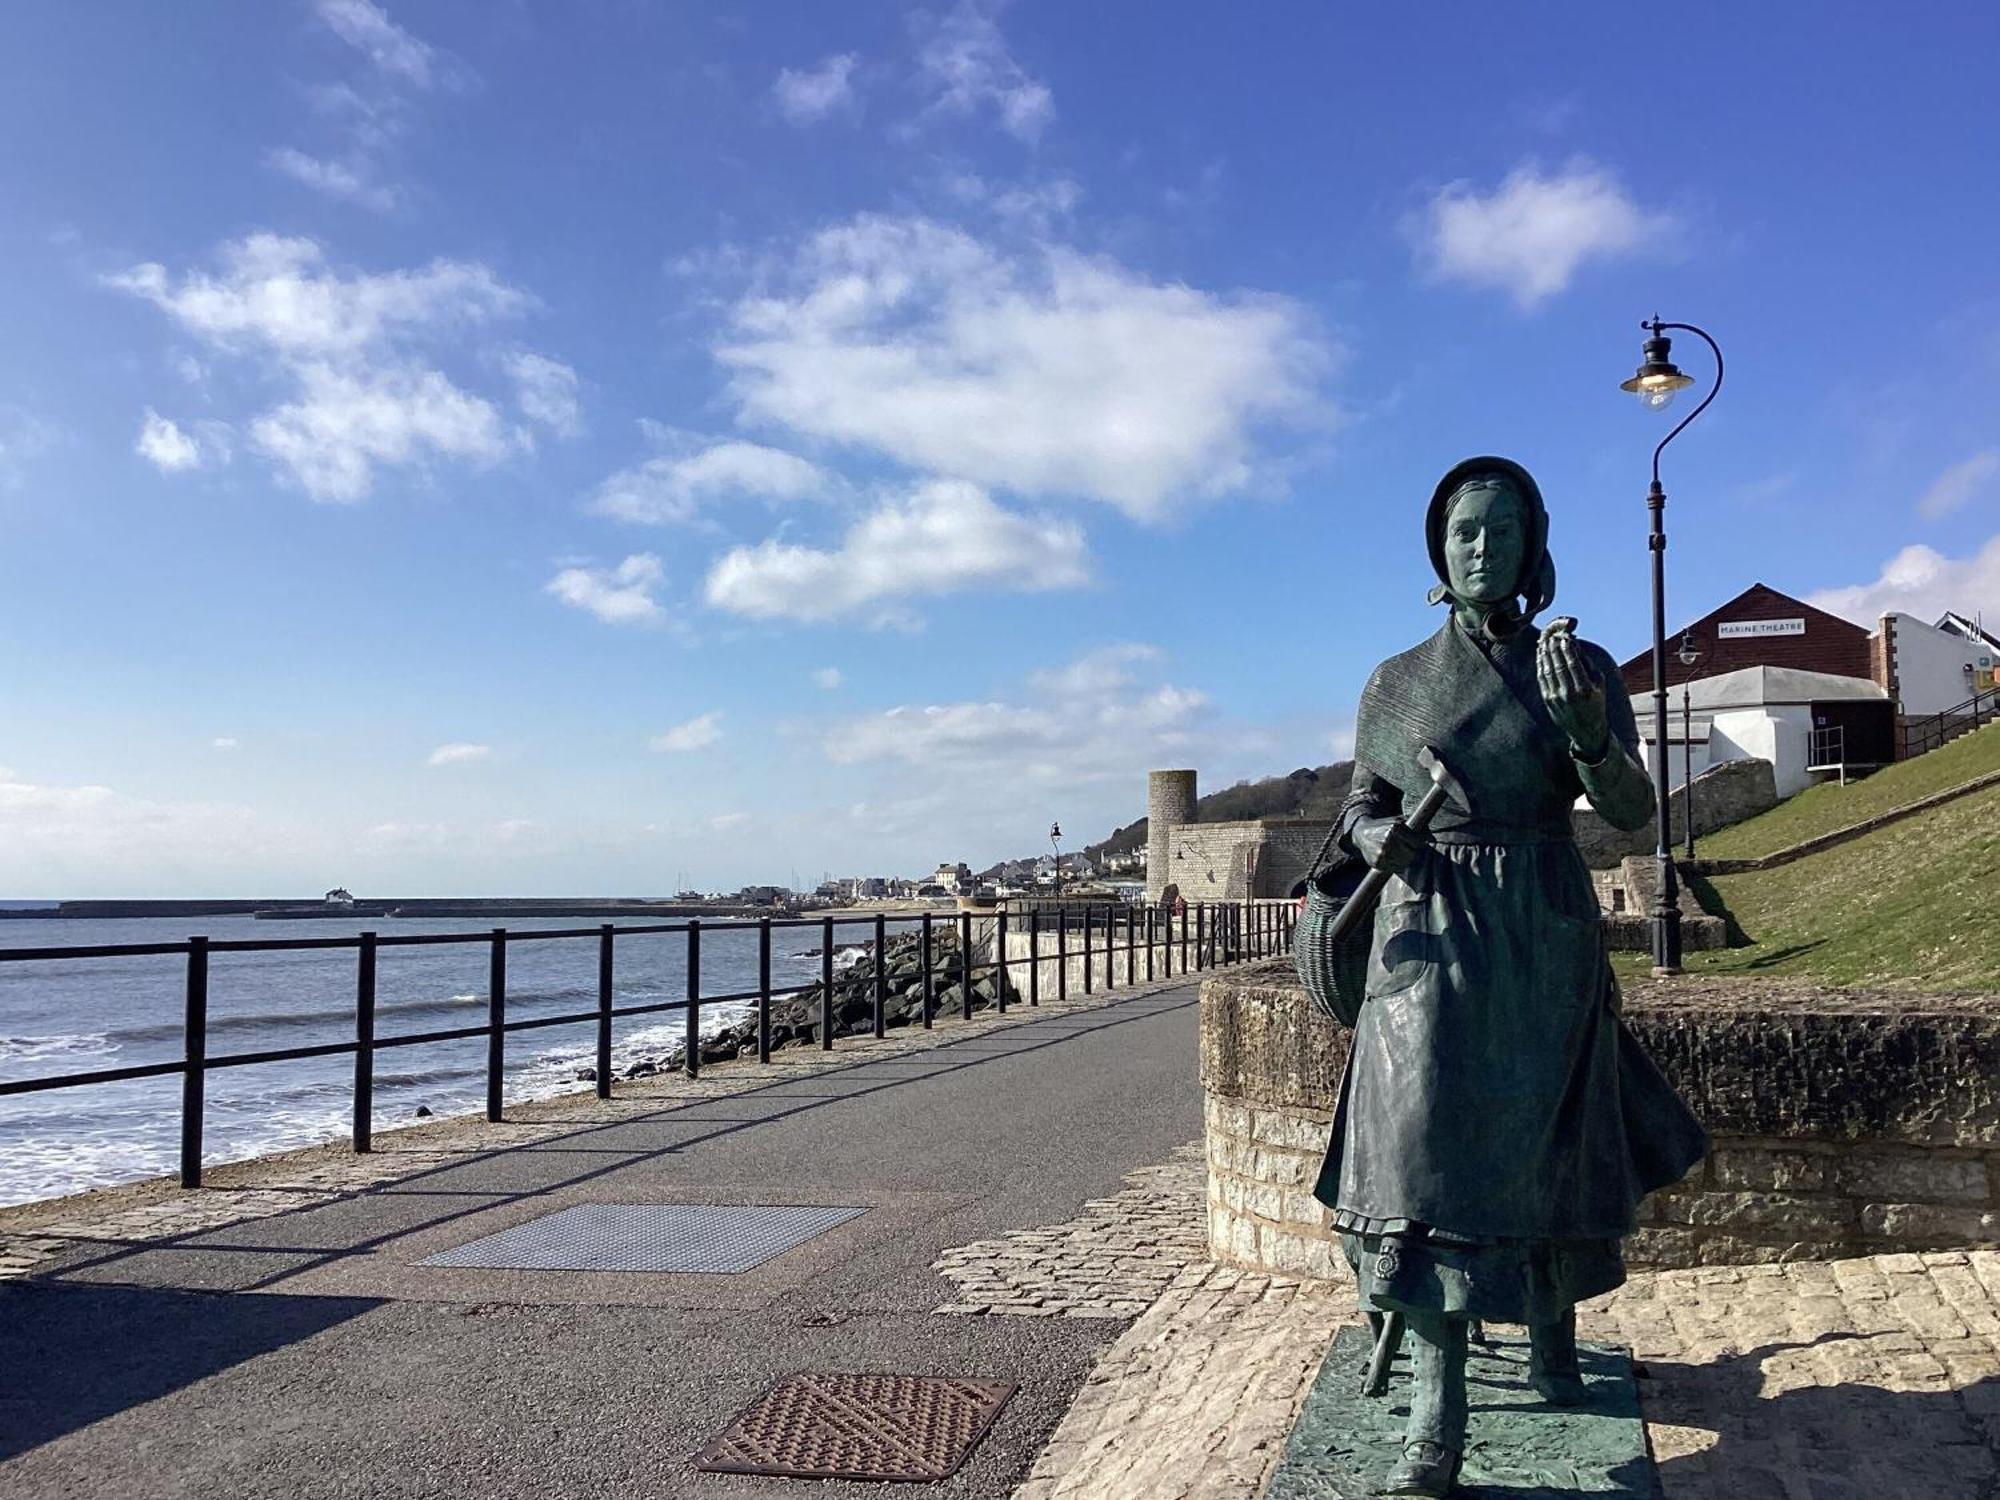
{"x": 75, "y": 1015}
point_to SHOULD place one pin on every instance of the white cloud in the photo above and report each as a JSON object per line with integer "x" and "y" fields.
{"x": 828, "y": 678}
{"x": 162, "y": 444}
{"x": 459, "y": 754}
{"x": 64, "y": 839}
{"x": 223, "y": 742}
{"x": 1922, "y": 581}
{"x": 808, "y": 94}
{"x": 696, "y": 734}
{"x": 618, "y": 596}
{"x": 1089, "y": 720}
{"x": 723, "y": 822}
{"x": 363, "y": 395}
{"x": 366, "y": 27}
{"x": 672, "y": 487}
{"x": 344, "y": 424}
{"x": 276, "y": 293}
{"x": 349, "y": 180}
{"x": 946, "y": 536}
{"x": 1958, "y": 485}
{"x": 545, "y": 390}
{"x": 1530, "y": 234}
{"x": 1047, "y": 372}
{"x": 965, "y": 67}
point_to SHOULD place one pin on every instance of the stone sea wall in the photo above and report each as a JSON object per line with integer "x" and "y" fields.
{"x": 1842, "y": 1124}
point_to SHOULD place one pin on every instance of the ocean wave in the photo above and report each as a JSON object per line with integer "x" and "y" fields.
{"x": 33, "y": 1048}
{"x": 291, "y": 1020}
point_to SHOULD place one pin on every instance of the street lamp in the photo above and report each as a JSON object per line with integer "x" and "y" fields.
{"x": 1655, "y": 383}
{"x": 1690, "y": 655}
{"x": 1055, "y": 842}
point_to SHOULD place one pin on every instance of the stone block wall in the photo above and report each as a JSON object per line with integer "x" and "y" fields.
{"x": 1259, "y": 857}
{"x": 1723, "y": 794}
{"x": 1841, "y": 1124}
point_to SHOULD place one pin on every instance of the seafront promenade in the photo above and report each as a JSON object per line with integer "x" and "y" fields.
{"x": 1034, "y": 1213}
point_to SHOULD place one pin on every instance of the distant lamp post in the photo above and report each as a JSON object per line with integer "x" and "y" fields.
{"x": 1689, "y": 656}
{"x": 1655, "y": 382}
{"x": 1055, "y": 843}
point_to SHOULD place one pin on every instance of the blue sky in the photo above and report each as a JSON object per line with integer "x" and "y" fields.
{"x": 508, "y": 447}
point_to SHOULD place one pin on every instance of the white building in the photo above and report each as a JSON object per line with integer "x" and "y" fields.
{"x": 1765, "y": 713}
{"x": 1934, "y": 668}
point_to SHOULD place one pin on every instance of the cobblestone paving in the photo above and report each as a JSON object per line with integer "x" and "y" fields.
{"x": 1819, "y": 1380}
{"x": 1195, "y": 1400}
{"x": 1111, "y": 1261}
{"x": 155, "y": 1211}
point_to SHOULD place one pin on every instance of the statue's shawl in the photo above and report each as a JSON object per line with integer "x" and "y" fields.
{"x": 1511, "y": 761}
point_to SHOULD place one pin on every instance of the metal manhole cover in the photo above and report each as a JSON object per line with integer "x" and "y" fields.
{"x": 677, "y": 1237}
{"x": 901, "y": 1427}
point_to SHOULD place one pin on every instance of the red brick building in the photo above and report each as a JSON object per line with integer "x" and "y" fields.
{"x": 1761, "y": 627}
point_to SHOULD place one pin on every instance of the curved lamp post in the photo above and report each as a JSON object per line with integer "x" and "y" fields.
{"x": 1055, "y": 843}
{"x": 1655, "y": 383}
{"x": 1689, "y": 655}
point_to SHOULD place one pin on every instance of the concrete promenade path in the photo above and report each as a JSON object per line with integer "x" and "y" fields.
{"x": 273, "y": 1333}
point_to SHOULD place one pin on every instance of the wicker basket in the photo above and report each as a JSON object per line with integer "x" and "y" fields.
{"x": 1333, "y": 972}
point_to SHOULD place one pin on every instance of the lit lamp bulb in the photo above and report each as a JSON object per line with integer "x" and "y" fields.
{"x": 1658, "y": 377}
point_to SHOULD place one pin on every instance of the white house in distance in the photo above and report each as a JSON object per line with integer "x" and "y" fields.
{"x": 1765, "y": 713}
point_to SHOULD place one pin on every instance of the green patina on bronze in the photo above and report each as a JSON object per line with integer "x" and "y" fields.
{"x": 1497, "y": 1123}
{"x": 1520, "y": 1448}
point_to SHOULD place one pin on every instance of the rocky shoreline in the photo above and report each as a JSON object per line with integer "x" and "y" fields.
{"x": 795, "y": 1018}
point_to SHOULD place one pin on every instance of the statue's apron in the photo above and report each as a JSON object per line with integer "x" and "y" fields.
{"x": 1492, "y": 1094}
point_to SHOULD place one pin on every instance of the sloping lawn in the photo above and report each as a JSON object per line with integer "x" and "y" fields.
{"x": 1916, "y": 905}
{"x": 1825, "y": 808}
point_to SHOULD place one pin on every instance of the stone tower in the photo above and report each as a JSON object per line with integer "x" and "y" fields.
{"x": 1170, "y": 798}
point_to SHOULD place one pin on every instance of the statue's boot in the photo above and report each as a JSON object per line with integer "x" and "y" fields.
{"x": 1434, "y": 1438}
{"x": 1552, "y": 1366}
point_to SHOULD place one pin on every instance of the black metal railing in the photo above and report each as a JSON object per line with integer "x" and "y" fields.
{"x": 1931, "y": 732}
{"x": 1221, "y": 934}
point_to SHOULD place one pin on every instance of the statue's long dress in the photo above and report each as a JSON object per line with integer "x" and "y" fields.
{"x": 1498, "y": 1123}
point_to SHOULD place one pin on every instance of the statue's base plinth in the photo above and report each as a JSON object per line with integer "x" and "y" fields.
{"x": 1518, "y": 1447}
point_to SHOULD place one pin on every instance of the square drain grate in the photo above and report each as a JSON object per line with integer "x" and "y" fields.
{"x": 899, "y": 1427}
{"x": 679, "y": 1237}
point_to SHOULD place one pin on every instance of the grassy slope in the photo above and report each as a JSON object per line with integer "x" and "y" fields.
{"x": 1915, "y": 905}
{"x": 1824, "y": 808}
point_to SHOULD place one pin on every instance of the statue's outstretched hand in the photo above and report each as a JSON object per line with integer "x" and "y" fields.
{"x": 1573, "y": 692}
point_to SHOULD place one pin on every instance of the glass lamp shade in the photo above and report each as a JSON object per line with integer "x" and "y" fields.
{"x": 1658, "y": 377}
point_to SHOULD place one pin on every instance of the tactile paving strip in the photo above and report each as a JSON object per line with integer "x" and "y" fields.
{"x": 899, "y": 1427}
{"x": 677, "y": 1237}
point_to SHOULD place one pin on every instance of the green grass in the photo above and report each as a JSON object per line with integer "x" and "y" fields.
{"x": 1825, "y": 808}
{"x": 1910, "y": 906}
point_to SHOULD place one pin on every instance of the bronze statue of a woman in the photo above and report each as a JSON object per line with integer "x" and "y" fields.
{"x": 1498, "y": 1123}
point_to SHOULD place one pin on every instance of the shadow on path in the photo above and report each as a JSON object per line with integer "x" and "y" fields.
{"x": 74, "y": 1355}
{"x": 1853, "y": 1440}
{"x": 953, "y": 1056}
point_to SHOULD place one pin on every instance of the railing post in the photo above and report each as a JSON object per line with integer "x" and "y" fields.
{"x": 496, "y": 1021}
{"x": 1200, "y": 935}
{"x": 827, "y": 987}
{"x": 1086, "y": 950}
{"x": 1062, "y": 953}
{"x": 930, "y": 985}
{"x": 604, "y": 994}
{"x": 763, "y": 989}
{"x": 1034, "y": 955}
{"x": 881, "y": 969}
{"x": 691, "y": 1061}
{"x": 1001, "y": 975}
{"x": 965, "y": 965}
{"x": 195, "y": 1054}
{"x": 1131, "y": 951}
{"x": 364, "y": 1046}
{"x": 1149, "y": 943}
{"x": 1185, "y": 911}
